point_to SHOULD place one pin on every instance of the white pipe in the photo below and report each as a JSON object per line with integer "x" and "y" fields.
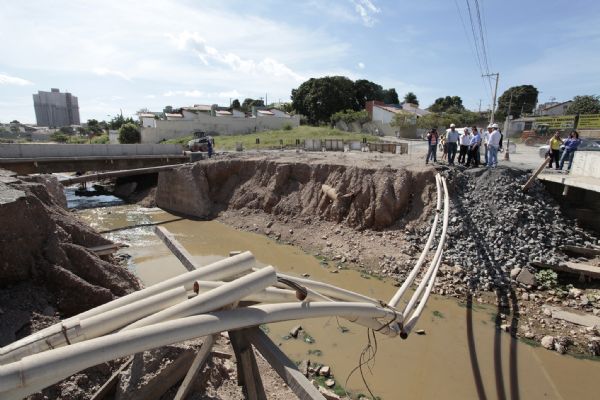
{"x": 41, "y": 370}
{"x": 214, "y": 299}
{"x": 411, "y": 277}
{"x": 330, "y": 290}
{"x": 225, "y": 268}
{"x": 101, "y": 324}
{"x": 268, "y": 295}
{"x": 412, "y": 320}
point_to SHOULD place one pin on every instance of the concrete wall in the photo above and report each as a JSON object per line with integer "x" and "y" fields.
{"x": 381, "y": 115}
{"x": 30, "y": 150}
{"x": 586, "y": 163}
{"x": 214, "y": 125}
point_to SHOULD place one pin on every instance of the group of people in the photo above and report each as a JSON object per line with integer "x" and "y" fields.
{"x": 467, "y": 144}
{"x": 569, "y": 146}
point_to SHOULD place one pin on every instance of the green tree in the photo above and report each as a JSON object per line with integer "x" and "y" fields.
{"x": 168, "y": 109}
{"x": 443, "y": 120}
{"x": 94, "y": 127}
{"x": 118, "y": 120}
{"x": 410, "y": 97}
{"x": 452, "y": 104}
{"x": 129, "y": 134}
{"x": 59, "y": 137}
{"x": 524, "y": 100}
{"x": 319, "y": 98}
{"x": 390, "y": 96}
{"x": 365, "y": 91}
{"x": 585, "y": 105}
{"x": 235, "y": 104}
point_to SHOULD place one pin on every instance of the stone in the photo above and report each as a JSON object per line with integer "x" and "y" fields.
{"x": 325, "y": 370}
{"x": 328, "y": 394}
{"x": 526, "y": 278}
{"x": 505, "y": 327}
{"x": 548, "y": 342}
{"x": 303, "y": 367}
{"x": 575, "y": 293}
{"x": 295, "y": 331}
{"x": 330, "y": 383}
{"x": 515, "y": 272}
{"x": 529, "y": 335}
{"x": 525, "y": 296}
{"x": 420, "y": 331}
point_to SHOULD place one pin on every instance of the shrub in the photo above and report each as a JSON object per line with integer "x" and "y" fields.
{"x": 349, "y": 116}
{"x": 287, "y": 127}
{"x": 59, "y": 137}
{"x": 129, "y": 134}
{"x": 546, "y": 279}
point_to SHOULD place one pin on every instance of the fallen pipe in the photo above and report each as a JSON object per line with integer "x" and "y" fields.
{"x": 429, "y": 280}
{"x": 214, "y": 299}
{"x": 79, "y": 330}
{"x": 330, "y": 290}
{"x": 38, "y": 371}
{"x": 395, "y": 300}
{"x": 268, "y": 295}
{"x": 225, "y": 268}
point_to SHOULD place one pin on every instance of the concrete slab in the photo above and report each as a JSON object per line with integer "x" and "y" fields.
{"x": 574, "y": 318}
{"x": 582, "y": 182}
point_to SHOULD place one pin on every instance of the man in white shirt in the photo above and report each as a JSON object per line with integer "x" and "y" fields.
{"x": 465, "y": 140}
{"x": 493, "y": 145}
{"x": 485, "y": 138}
{"x": 452, "y": 141}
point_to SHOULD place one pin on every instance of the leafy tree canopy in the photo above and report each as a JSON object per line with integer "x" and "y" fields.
{"x": 249, "y": 103}
{"x": 118, "y": 120}
{"x": 235, "y": 104}
{"x": 319, "y": 98}
{"x": 410, "y": 97}
{"x": 585, "y": 105}
{"x": 168, "y": 109}
{"x": 129, "y": 134}
{"x": 449, "y": 104}
{"x": 390, "y": 96}
{"x": 443, "y": 120}
{"x": 94, "y": 127}
{"x": 524, "y": 100}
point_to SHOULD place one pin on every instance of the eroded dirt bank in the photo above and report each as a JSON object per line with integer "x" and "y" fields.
{"x": 496, "y": 232}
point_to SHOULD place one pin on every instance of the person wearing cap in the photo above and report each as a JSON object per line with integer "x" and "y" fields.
{"x": 432, "y": 141}
{"x": 493, "y": 145}
{"x": 452, "y": 138}
{"x": 465, "y": 139}
{"x": 571, "y": 145}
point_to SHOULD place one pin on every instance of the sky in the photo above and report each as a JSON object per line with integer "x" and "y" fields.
{"x": 120, "y": 55}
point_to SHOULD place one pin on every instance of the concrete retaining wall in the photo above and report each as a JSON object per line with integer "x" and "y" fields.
{"x": 586, "y": 163}
{"x": 31, "y": 150}
{"x": 165, "y": 130}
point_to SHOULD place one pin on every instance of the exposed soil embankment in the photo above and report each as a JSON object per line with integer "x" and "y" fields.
{"x": 366, "y": 198}
{"x": 45, "y": 263}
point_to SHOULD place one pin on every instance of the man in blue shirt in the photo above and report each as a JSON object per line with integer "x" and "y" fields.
{"x": 473, "y": 158}
{"x": 571, "y": 145}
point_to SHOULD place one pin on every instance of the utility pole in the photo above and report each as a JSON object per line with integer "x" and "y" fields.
{"x": 497, "y": 75}
{"x": 479, "y": 106}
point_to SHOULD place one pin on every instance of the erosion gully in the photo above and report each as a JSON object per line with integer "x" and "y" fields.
{"x": 461, "y": 355}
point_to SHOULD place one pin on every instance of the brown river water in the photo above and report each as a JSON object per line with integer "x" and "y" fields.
{"x": 461, "y": 356}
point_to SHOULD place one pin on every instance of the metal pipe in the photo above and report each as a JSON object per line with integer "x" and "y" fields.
{"x": 395, "y": 300}
{"x": 225, "y": 268}
{"x": 38, "y": 371}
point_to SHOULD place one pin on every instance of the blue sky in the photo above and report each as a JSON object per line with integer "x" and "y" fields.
{"x": 118, "y": 54}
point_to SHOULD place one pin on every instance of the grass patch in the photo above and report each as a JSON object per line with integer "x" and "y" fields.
{"x": 307, "y": 338}
{"x": 438, "y": 314}
{"x": 277, "y": 138}
{"x": 264, "y": 328}
{"x": 337, "y": 389}
{"x": 530, "y": 342}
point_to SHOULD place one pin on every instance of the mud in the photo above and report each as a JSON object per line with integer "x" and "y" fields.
{"x": 368, "y": 197}
{"x": 46, "y": 268}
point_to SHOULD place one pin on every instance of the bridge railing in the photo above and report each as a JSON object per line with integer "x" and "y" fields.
{"x": 44, "y": 150}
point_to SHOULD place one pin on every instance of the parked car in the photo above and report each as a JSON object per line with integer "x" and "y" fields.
{"x": 586, "y": 144}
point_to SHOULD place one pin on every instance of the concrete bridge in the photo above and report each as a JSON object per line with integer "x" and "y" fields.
{"x": 48, "y": 158}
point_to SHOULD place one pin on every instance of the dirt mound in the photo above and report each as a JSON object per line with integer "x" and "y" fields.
{"x": 367, "y": 198}
{"x": 44, "y": 256}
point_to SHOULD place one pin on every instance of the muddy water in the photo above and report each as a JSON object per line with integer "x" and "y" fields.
{"x": 461, "y": 356}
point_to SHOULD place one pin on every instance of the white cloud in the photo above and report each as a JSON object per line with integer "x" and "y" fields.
{"x": 13, "y": 80}
{"x": 108, "y": 72}
{"x": 207, "y": 54}
{"x": 184, "y": 93}
{"x": 361, "y": 65}
{"x": 366, "y": 10}
{"x": 200, "y": 94}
